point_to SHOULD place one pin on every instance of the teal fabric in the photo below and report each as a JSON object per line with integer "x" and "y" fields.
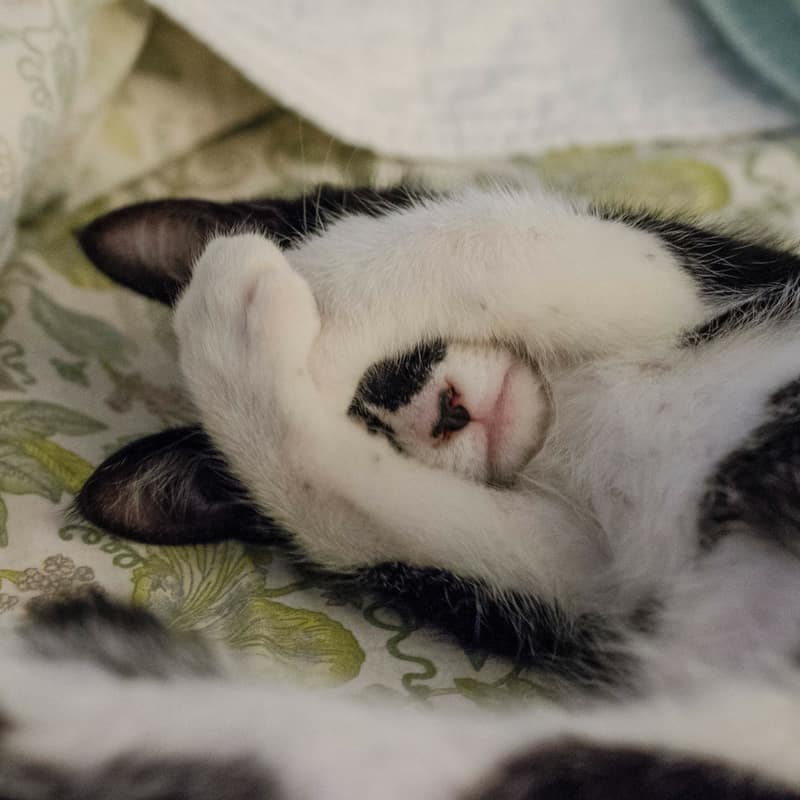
{"x": 765, "y": 34}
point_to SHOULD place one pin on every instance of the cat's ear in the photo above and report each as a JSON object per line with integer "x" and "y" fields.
{"x": 169, "y": 488}
{"x": 151, "y": 247}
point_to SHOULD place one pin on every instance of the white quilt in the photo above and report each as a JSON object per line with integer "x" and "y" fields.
{"x": 453, "y": 79}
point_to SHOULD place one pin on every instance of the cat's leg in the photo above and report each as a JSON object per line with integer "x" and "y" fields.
{"x": 245, "y": 338}
{"x": 532, "y": 270}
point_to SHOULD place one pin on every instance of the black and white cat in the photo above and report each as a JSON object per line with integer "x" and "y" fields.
{"x": 594, "y": 410}
{"x": 583, "y": 421}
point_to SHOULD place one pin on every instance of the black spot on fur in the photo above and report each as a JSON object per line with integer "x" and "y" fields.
{"x": 151, "y": 247}
{"x": 756, "y": 488}
{"x": 571, "y": 769}
{"x": 138, "y": 777}
{"x": 124, "y": 640}
{"x": 374, "y": 424}
{"x": 392, "y": 383}
{"x": 646, "y": 616}
{"x": 515, "y": 626}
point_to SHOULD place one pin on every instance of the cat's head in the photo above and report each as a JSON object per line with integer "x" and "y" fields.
{"x": 480, "y": 410}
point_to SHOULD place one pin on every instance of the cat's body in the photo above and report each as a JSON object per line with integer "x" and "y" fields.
{"x": 590, "y": 413}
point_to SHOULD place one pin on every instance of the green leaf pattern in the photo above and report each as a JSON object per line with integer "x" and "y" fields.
{"x": 20, "y": 419}
{"x": 81, "y": 334}
{"x": 221, "y": 589}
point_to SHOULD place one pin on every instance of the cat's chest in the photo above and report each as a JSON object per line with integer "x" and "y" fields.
{"x": 638, "y": 440}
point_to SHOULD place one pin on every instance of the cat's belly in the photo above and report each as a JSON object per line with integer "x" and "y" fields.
{"x": 640, "y": 440}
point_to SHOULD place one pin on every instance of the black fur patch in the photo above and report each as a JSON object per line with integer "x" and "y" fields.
{"x": 172, "y": 487}
{"x": 126, "y": 641}
{"x": 392, "y": 383}
{"x": 515, "y": 626}
{"x": 756, "y": 488}
{"x": 571, "y": 769}
{"x": 289, "y": 221}
{"x": 138, "y": 777}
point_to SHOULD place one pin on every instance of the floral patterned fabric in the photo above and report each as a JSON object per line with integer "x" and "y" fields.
{"x": 86, "y": 366}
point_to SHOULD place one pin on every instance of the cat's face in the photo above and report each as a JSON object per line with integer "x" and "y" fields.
{"x": 480, "y": 411}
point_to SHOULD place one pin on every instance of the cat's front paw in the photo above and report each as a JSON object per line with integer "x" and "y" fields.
{"x": 247, "y": 319}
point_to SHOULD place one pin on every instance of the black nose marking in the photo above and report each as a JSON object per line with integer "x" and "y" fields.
{"x": 451, "y": 418}
{"x": 391, "y": 383}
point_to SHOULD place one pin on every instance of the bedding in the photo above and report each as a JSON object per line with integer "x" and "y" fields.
{"x": 471, "y": 79}
{"x": 85, "y": 365}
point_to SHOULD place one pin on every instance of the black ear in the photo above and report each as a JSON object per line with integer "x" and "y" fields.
{"x": 151, "y": 247}
{"x": 169, "y": 488}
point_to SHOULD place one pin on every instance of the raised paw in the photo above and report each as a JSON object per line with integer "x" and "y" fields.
{"x": 246, "y": 313}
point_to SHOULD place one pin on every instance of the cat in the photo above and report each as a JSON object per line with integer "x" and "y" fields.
{"x": 584, "y": 420}
{"x": 526, "y": 415}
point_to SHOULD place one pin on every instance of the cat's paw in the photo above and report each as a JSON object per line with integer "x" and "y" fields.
{"x": 247, "y": 317}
